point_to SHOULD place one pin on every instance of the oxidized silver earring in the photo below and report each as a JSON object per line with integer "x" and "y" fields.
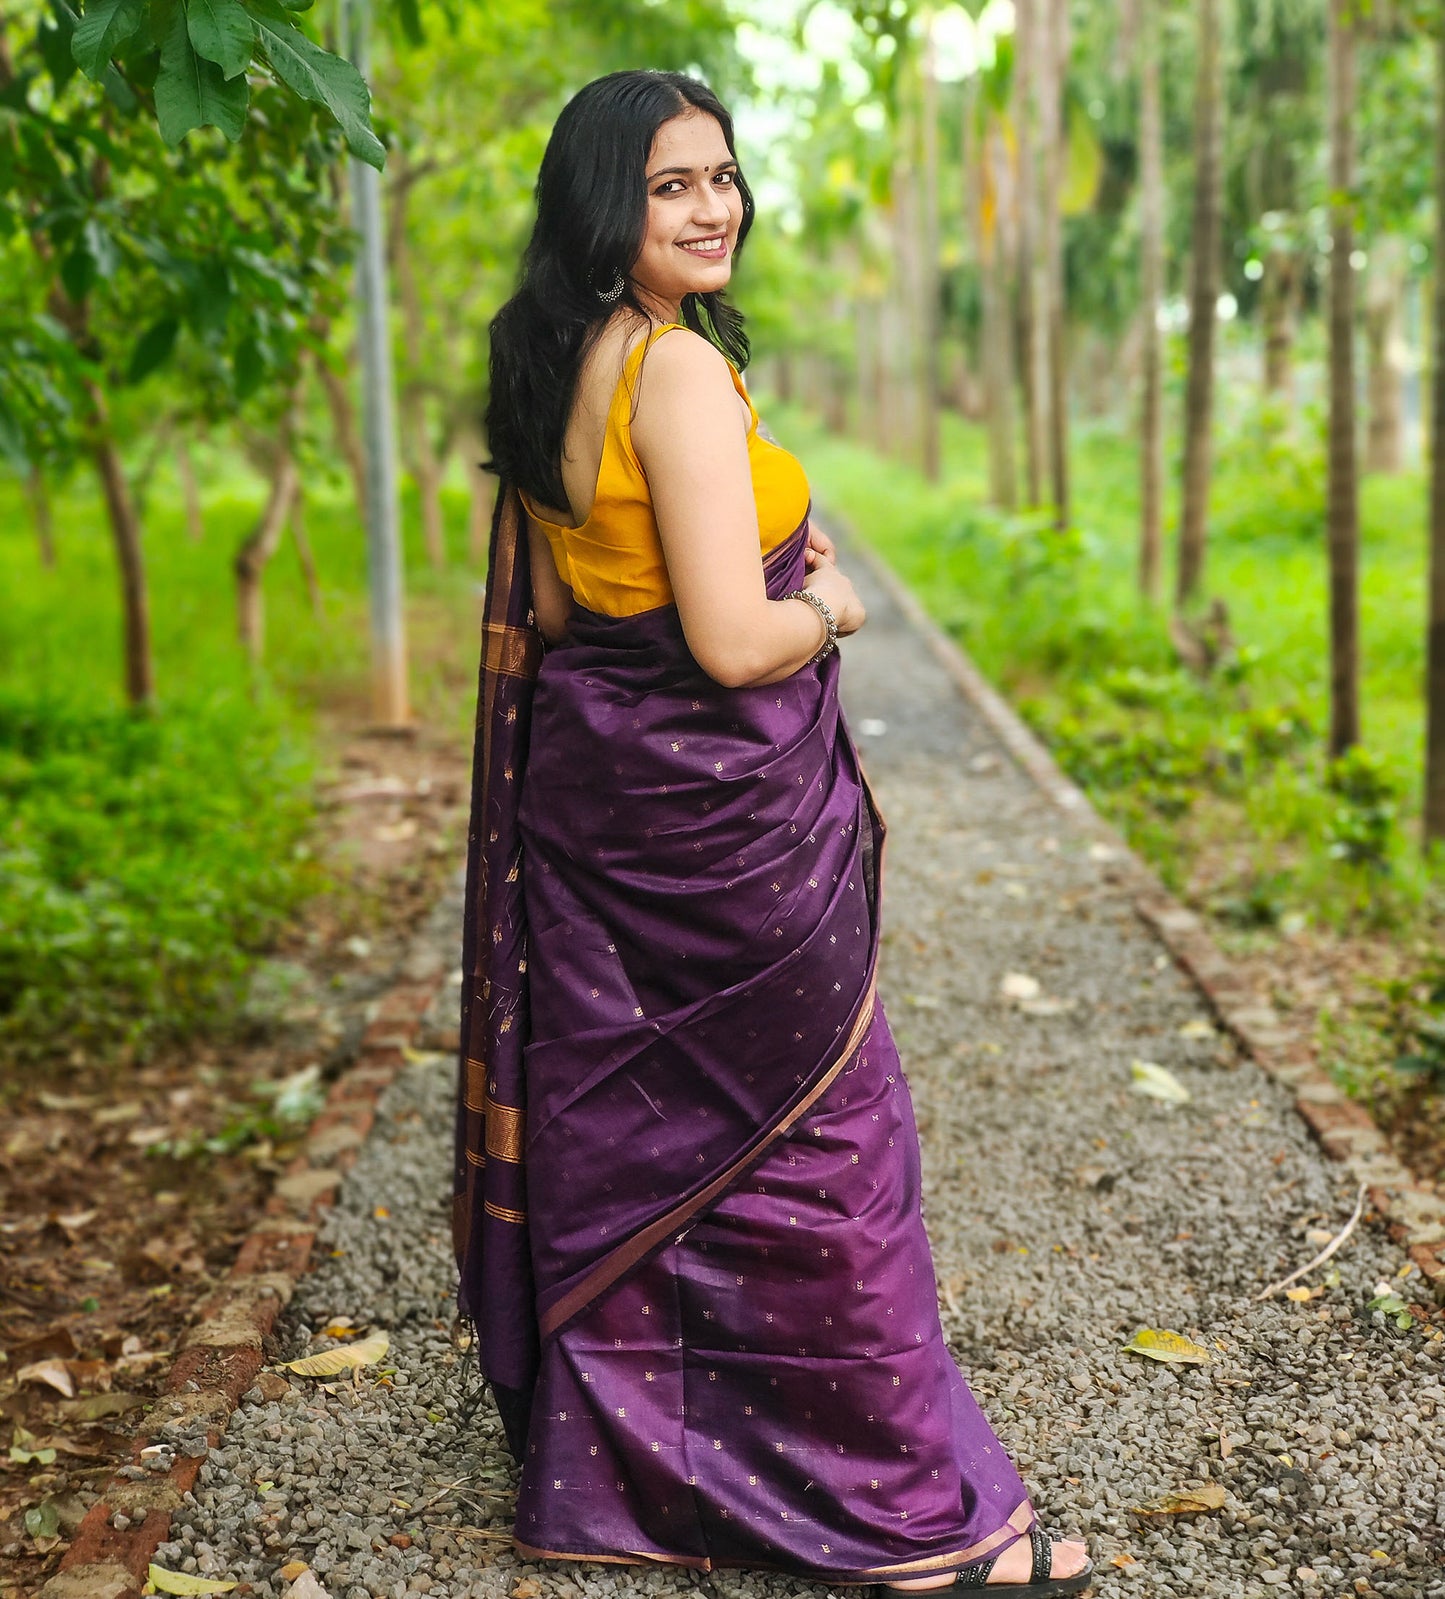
{"x": 610, "y": 296}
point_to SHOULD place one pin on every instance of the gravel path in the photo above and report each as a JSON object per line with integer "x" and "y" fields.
{"x": 1065, "y": 1209}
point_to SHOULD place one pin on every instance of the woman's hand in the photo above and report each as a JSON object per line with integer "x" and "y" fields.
{"x": 820, "y": 548}
{"x": 837, "y": 592}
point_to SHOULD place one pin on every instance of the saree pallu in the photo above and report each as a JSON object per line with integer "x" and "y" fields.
{"x": 689, "y": 1214}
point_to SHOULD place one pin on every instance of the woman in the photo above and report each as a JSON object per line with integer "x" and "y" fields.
{"x": 687, "y": 1205}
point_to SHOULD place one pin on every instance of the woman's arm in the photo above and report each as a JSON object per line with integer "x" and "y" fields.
{"x": 551, "y": 597}
{"x": 691, "y": 438}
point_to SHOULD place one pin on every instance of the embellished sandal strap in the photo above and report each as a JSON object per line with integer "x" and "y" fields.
{"x": 1043, "y": 1555}
{"x": 975, "y": 1576}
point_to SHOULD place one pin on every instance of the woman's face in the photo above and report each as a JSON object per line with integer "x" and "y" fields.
{"x": 694, "y": 211}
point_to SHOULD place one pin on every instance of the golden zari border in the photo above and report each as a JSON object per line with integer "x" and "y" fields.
{"x": 502, "y": 1213}
{"x": 511, "y": 651}
{"x": 506, "y": 1130}
{"x": 1013, "y": 1529}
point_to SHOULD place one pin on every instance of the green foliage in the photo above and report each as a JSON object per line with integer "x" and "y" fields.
{"x": 1362, "y": 829}
{"x": 1414, "y": 1023}
{"x": 194, "y": 55}
{"x": 1233, "y": 767}
{"x": 143, "y": 862}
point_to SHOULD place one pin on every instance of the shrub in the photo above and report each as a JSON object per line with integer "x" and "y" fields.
{"x": 144, "y": 862}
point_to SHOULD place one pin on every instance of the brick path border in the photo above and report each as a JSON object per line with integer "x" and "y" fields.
{"x": 220, "y": 1356}
{"x": 1414, "y": 1215}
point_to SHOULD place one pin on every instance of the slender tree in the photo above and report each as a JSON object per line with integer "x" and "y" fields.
{"x": 1203, "y": 298}
{"x": 1151, "y": 275}
{"x": 928, "y": 274}
{"x": 1434, "y": 806}
{"x": 1032, "y": 312}
{"x": 1343, "y": 514}
{"x": 988, "y": 176}
{"x": 1053, "y": 70}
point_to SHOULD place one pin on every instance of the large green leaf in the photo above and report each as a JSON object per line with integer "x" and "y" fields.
{"x": 154, "y": 349}
{"x": 191, "y": 91}
{"x": 314, "y": 74}
{"x": 106, "y": 25}
{"x": 221, "y": 32}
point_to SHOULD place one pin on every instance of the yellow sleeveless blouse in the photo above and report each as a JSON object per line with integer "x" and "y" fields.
{"x": 613, "y": 562}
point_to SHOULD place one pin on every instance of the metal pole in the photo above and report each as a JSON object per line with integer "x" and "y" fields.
{"x": 378, "y": 406}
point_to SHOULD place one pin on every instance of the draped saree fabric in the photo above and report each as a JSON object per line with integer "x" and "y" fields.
{"x": 687, "y": 1208}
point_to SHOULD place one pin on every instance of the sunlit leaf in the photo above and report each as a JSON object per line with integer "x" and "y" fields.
{"x": 105, "y": 26}
{"x": 1157, "y": 1082}
{"x": 331, "y": 1362}
{"x": 164, "y": 1581}
{"x": 1172, "y": 1347}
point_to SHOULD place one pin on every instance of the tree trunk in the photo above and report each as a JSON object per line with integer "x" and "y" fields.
{"x": 481, "y": 487}
{"x": 38, "y": 494}
{"x": 190, "y": 491}
{"x": 1384, "y": 300}
{"x": 1151, "y": 274}
{"x": 305, "y": 556}
{"x": 422, "y": 459}
{"x": 985, "y": 166}
{"x": 928, "y": 281}
{"x": 125, "y": 530}
{"x": 1279, "y": 308}
{"x": 385, "y": 583}
{"x": 1032, "y": 309}
{"x": 257, "y": 548}
{"x": 1434, "y": 797}
{"x": 1343, "y": 514}
{"x": 343, "y": 427}
{"x": 1053, "y": 68}
{"x": 1203, "y": 298}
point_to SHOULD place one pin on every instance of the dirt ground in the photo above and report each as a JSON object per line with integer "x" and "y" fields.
{"x": 126, "y": 1189}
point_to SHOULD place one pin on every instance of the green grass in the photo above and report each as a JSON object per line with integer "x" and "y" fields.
{"x": 146, "y": 861}
{"x": 1223, "y": 784}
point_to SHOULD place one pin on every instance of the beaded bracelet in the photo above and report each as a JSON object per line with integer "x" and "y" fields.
{"x": 830, "y": 621}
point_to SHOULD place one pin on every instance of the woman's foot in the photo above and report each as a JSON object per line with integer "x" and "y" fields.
{"x": 1013, "y": 1565}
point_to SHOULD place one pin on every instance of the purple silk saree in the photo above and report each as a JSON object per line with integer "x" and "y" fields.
{"x": 687, "y": 1200}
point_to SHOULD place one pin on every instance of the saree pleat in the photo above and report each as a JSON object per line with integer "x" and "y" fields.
{"x": 689, "y": 1222}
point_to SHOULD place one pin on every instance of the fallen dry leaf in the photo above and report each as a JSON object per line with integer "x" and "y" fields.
{"x": 52, "y": 1372}
{"x": 527, "y": 1588}
{"x": 1172, "y": 1347}
{"x": 1123, "y": 1560}
{"x": 331, "y": 1362}
{"x": 1187, "y": 1502}
{"x": 293, "y": 1569}
{"x": 1158, "y": 1082}
{"x": 163, "y": 1581}
{"x": 95, "y": 1407}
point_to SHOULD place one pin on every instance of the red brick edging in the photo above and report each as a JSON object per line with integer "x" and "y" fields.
{"x": 221, "y": 1355}
{"x": 1415, "y": 1215}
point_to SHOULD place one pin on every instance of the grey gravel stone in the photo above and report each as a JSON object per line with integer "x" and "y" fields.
{"x": 1065, "y": 1211}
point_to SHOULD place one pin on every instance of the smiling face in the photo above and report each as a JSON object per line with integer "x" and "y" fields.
{"x": 694, "y": 211}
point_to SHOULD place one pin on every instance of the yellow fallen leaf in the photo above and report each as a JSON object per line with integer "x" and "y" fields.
{"x": 1379, "y": 1554}
{"x": 340, "y": 1329}
{"x": 331, "y": 1362}
{"x": 1299, "y": 1295}
{"x": 293, "y": 1569}
{"x": 1187, "y": 1502}
{"x": 527, "y": 1588}
{"x": 1196, "y": 1029}
{"x": 1169, "y": 1346}
{"x": 1158, "y": 1082}
{"x": 164, "y": 1581}
{"x": 1123, "y": 1560}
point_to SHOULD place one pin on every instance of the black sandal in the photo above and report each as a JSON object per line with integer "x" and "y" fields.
{"x": 1039, "y": 1586}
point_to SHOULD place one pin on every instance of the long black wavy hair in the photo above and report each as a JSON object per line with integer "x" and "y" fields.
{"x": 591, "y": 221}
